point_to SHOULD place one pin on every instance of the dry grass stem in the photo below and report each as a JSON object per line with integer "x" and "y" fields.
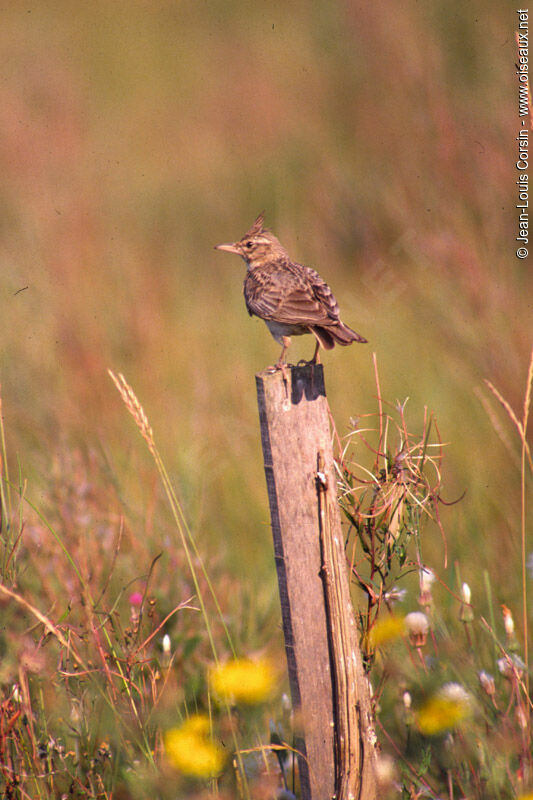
{"x": 518, "y": 424}
{"x": 134, "y": 407}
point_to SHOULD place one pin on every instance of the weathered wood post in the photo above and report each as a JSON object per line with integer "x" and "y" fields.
{"x": 329, "y": 690}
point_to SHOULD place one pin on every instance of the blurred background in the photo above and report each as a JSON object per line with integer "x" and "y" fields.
{"x": 380, "y": 142}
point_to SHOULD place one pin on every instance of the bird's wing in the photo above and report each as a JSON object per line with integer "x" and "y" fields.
{"x": 262, "y": 294}
{"x": 295, "y": 296}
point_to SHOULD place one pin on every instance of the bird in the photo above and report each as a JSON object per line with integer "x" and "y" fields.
{"x": 291, "y": 298}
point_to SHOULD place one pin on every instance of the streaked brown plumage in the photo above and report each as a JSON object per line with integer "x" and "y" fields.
{"x": 292, "y": 299}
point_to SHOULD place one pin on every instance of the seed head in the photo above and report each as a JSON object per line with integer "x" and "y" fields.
{"x": 417, "y": 626}
{"x": 487, "y": 683}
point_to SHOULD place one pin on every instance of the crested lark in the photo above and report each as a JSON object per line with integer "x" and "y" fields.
{"x": 292, "y": 299}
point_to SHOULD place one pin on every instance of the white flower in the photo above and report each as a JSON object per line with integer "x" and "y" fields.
{"x": 427, "y": 578}
{"x": 395, "y": 595}
{"x": 487, "y": 682}
{"x": 508, "y": 621}
{"x": 466, "y": 612}
{"x": 417, "y": 626}
{"x": 511, "y": 666}
{"x": 455, "y": 693}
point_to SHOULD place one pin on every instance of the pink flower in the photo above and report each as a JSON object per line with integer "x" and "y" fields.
{"x": 136, "y": 598}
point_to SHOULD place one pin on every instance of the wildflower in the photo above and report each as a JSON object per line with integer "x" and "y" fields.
{"x": 450, "y": 706}
{"x": 135, "y": 599}
{"x": 508, "y": 621}
{"x": 386, "y": 630}
{"x": 456, "y": 692}
{"x": 104, "y": 751}
{"x": 197, "y": 724}
{"x": 466, "y": 614}
{"x": 191, "y": 750}
{"x": 505, "y": 667}
{"x": 427, "y": 578}
{"x": 511, "y": 666}
{"x": 166, "y": 648}
{"x": 407, "y": 701}
{"x": 417, "y": 626}
{"x": 487, "y": 683}
{"x": 243, "y": 680}
{"x": 395, "y": 595}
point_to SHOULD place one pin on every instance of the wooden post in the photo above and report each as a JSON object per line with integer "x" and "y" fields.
{"x": 329, "y": 691}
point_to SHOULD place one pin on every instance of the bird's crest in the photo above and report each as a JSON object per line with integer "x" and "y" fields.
{"x": 257, "y": 227}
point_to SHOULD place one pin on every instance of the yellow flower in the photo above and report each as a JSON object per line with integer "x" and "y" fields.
{"x": 386, "y": 630}
{"x": 190, "y": 750}
{"x": 196, "y": 724}
{"x": 449, "y": 707}
{"x": 243, "y": 680}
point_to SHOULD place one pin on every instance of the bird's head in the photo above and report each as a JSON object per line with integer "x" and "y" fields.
{"x": 257, "y": 247}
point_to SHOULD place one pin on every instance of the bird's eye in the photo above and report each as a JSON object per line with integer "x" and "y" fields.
{"x": 249, "y": 244}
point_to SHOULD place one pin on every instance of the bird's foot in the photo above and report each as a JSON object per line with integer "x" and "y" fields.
{"x": 282, "y": 367}
{"x": 312, "y": 363}
{"x": 277, "y": 366}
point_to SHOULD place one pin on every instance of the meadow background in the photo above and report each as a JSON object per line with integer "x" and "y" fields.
{"x": 379, "y": 140}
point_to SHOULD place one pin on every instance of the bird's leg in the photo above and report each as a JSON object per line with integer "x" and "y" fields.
{"x": 314, "y": 360}
{"x": 281, "y": 360}
{"x": 316, "y": 356}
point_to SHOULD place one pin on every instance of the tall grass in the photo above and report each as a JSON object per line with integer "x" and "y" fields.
{"x": 107, "y": 681}
{"x": 381, "y": 144}
{"x": 450, "y": 673}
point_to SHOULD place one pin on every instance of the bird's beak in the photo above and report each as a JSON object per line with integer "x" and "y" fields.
{"x": 229, "y": 248}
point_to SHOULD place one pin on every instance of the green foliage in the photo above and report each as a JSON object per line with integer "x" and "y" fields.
{"x": 451, "y": 695}
{"x": 106, "y": 653}
{"x": 388, "y": 503}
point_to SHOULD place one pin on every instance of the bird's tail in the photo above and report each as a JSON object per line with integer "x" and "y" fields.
{"x": 336, "y": 334}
